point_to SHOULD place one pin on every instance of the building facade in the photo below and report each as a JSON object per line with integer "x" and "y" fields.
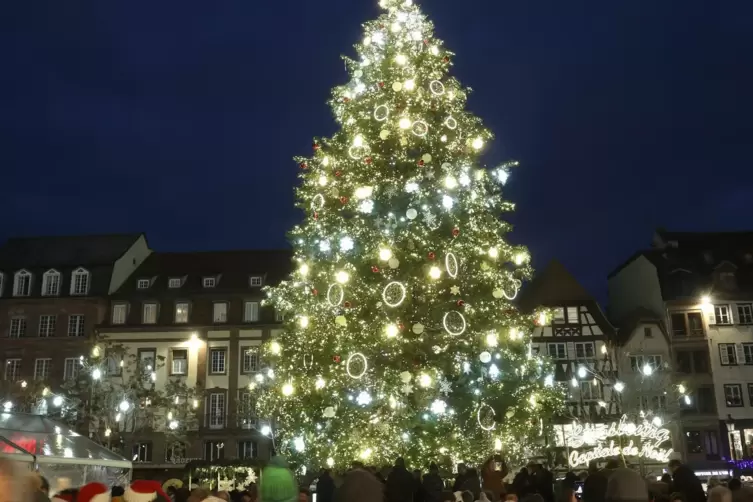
{"x": 199, "y": 317}
{"x": 53, "y": 292}
{"x": 699, "y": 285}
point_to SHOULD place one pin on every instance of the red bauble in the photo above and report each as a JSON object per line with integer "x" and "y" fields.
{"x": 315, "y": 292}
{"x": 316, "y": 215}
{"x": 426, "y": 41}
{"x": 381, "y": 84}
{"x": 346, "y": 305}
{"x": 446, "y": 59}
{"x": 338, "y": 173}
{"x": 461, "y": 303}
{"x": 345, "y": 100}
{"x": 367, "y": 160}
{"x": 315, "y": 146}
{"x": 374, "y": 269}
{"x": 344, "y": 199}
{"x": 431, "y": 255}
{"x": 303, "y": 165}
{"x": 420, "y": 162}
{"x": 455, "y": 232}
{"x": 336, "y": 359}
{"x": 401, "y": 326}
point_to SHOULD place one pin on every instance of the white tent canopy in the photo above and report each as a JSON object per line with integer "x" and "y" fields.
{"x": 46, "y": 443}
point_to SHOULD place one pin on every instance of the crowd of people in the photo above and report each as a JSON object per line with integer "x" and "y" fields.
{"x": 488, "y": 483}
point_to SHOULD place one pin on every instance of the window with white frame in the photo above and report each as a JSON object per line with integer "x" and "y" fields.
{"x": 728, "y": 354}
{"x": 557, "y": 350}
{"x": 558, "y": 314}
{"x": 147, "y": 359}
{"x": 70, "y": 368}
{"x": 214, "y": 450}
{"x": 80, "y": 282}
{"x": 748, "y": 355}
{"x": 584, "y": 350}
{"x": 220, "y": 312}
{"x": 113, "y": 363}
{"x": 42, "y": 368}
{"x": 251, "y": 312}
{"x": 247, "y": 411}
{"x": 216, "y": 407}
{"x": 180, "y": 362}
{"x": 209, "y": 282}
{"x": 637, "y": 363}
{"x": 255, "y": 281}
{"x": 181, "y": 312}
{"x": 76, "y": 325}
{"x": 572, "y": 315}
{"x": 745, "y": 313}
{"x": 149, "y": 313}
{"x": 174, "y": 282}
{"x": 143, "y": 283}
{"x": 47, "y": 325}
{"x": 12, "y": 369}
{"x": 141, "y": 452}
{"x": 119, "y": 313}
{"x": 217, "y": 361}
{"x": 246, "y": 449}
{"x": 22, "y": 283}
{"x": 249, "y": 360}
{"x": 722, "y": 315}
{"x": 17, "y": 327}
{"x": 51, "y": 283}
{"x": 590, "y": 390}
{"x": 733, "y": 395}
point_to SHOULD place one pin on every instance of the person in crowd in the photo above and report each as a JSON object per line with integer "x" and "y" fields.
{"x": 521, "y": 484}
{"x": 304, "y": 494}
{"x": 533, "y": 497}
{"x": 686, "y": 482}
{"x": 511, "y": 497}
{"x": 384, "y": 473}
{"x": 472, "y": 483}
{"x": 116, "y": 494}
{"x": 224, "y": 495}
{"x": 466, "y": 496}
{"x": 542, "y": 481}
{"x": 418, "y": 489}
{"x": 400, "y": 483}
{"x": 493, "y": 473}
{"x": 486, "y": 496}
{"x": 740, "y": 493}
{"x": 459, "y": 478}
{"x": 676, "y": 497}
{"x": 325, "y": 487}
{"x": 447, "y": 496}
{"x": 714, "y": 481}
{"x": 625, "y": 485}
{"x": 433, "y": 484}
{"x": 360, "y": 486}
{"x": 720, "y": 493}
{"x": 567, "y": 494}
{"x": 278, "y": 484}
{"x": 198, "y": 495}
{"x": 595, "y": 485}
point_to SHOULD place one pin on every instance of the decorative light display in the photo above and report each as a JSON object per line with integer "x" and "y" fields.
{"x": 402, "y": 250}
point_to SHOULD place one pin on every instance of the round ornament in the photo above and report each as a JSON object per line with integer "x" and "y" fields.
{"x": 315, "y": 146}
{"x": 436, "y": 87}
{"x": 455, "y": 232}
{"x": 403, "y": 142}
{"x": 343, "y": 200}
{"x": 420, "y": 162}
{"x": 317, "y": 202}
{"x": 356, "y": 365}
{"x": 450, "y": 123}
{"x": 341, "y": 321}
{"x": 381, "y": 113}
{"x": 393, "y": 294}
{"x": 426, "y": 157}
{"x": 485, "y": 357}
{"x": 393, "y": 263}
{"x": 358, "y": 73}
{"x": 446, "y": 166}
{"x": 485, "y": 417}
{"x": 375, "y": 269}
{"x": 329, "y": 412}
{"x": 420, "y": 128}
{"x": 303, "y": 165}
{"x": 411, "y": 214}
{"x": 397, "y": 86}
{"x": 459, "y": 302}
{"x": 451, "y": 265}
{"x": 347, "y": 304}
{"x": 384, "y": 134}
{"x": 454, "y": 323}
{"x": 381, "y": 84}
{"x": 357, "y": 152}
{"x": 336, "y": 359}
{"x": 431, "y": 255}
{"x": 418, "y": 328}
{"x": 497, "y": 293}
{"x": 510, "y": 413}
{"x": 406, "y": 376}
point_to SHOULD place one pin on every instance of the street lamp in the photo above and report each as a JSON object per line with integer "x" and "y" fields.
{"x": 96, "y": 374}
{"x": 124, "y": 406}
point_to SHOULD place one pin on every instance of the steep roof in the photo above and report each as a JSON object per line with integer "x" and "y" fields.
{"x": 231, "y": 268}
{"x": 64, "y": 251}
{"x": 641, "y": 315}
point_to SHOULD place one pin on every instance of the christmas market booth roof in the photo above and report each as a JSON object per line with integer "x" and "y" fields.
{"x": 35, "y": 438}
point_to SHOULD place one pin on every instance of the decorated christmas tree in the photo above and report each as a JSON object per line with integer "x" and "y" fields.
{"x": 401, "y": 335}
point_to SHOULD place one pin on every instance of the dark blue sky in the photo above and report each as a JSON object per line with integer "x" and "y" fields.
{"x": 180, "y": 119}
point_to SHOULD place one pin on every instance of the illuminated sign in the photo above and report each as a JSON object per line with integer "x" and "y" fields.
{"x": 594, "y": 441}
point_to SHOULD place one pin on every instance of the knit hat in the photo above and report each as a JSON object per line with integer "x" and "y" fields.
{"x": 93, "y": 492}
{"x": 277, "y": 482}
{"x": 144, "y": 490}
{"x": 626, "y": 485}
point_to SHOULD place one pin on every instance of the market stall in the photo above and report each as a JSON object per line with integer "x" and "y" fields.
{"x": 60, "y": 454}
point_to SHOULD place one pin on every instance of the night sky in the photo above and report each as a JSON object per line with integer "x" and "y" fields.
{"x": 180, "y": 119}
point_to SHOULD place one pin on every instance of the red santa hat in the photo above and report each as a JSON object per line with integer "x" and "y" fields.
{"x": 93, "y": 492}
{"x": 67, "y": 495}
{"x": 144, "y": 490}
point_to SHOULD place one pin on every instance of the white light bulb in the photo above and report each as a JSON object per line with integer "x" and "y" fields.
{"x": 681, "y": 388}
{"x": 411, "y": 187}
{"x": 478, "y": 143}
{"x": 464, "y": 179}
{"x": 57, "y": 401}
{"x": 298, "y": 444}
{"x": 330, "y": 462}
{"x": 342, "y": 277}
{"x": 391, "y": 331}
{"x": 619, "y": 386}
{"x": 124, "y": 406}
{"x": 325, "y": 161}
{"x": 287, "y": 389}
{"x": 493, "y": 371}
{"x": 320, "y": 383}
{"x": 493, "y": 252}
{"x": 687, "y": 400}
{"x": 303, "y": 321}
{"x": 395, "y": 27}
{"x": 322, "y": 181}
{"x": 274, "y": 347}
{"x": 364, "y": 192}
{"x": 378, "y": 37}
{"x": 443, "y": 138}
{"x": 657, "y": 421}
{"x": 424, "y": 380}
{"x": 602, "y": 404}
{"x": 404, "y": 123}
{"x": 324, "y": 246}
{"x": 358, "y": 140}
{"x": 438, "y": 407}
{"x": 400, "y": 59}
{"x": 450, "y": 182}
{"x": 647, "y": 369}
{"x": 435, "y": 272}
{"x": 434, "y": 50}
{"x": 366, "y": 206}
{"x": 96, "y": 374}
{"x": 303, "y": 269}
{"x": 409, "y": 85}
{"x": 582, "y": 372}
{"x": 416, "y": 36}
{"x": 520, "y": 258}
{"x": 447, "y": 202}
{"x": 346, "y": 244}
{"x": 265, "y": 429}
{"x": 8, "y": 405}
{"x": 574, "y": 382}
{"x": 173, "y": 424}
{"x": 385, "y": 254}
{"x": 549, "y": 380}
{"x": 491, "y": 339}
{"x": 363, "y": 398}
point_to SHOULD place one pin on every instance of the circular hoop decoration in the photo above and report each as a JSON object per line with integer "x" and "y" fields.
{"x": 516, "y": 284}
{"x": 381, "y": 113}
{"x": 420, "y": 128}
{"x": 308, "y": 361}
{"x": 356, "y": 365}
{"x": 485, "y": 416}
{"x": 335, "y": 295}
{"x": 393, "y": 294}
{"x": 436, "y": 87}
{"x": 451, "y": 264}
{"x": 454, "y": 323}
{"x": 357, "y": 152}
{"x": 451, "y": 123}
{"x": 317, "y": 202}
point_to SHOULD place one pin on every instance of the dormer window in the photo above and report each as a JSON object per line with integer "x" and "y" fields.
{"x": 22, "y": 283}
{"x": 51, "y": 283}
{"x": 255, "y": 281}
{"x": 209, "y": 282}
{"x": 174, "y": 282}
{"x": 80, "y": 282}
{"x": 143, "y": 284}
